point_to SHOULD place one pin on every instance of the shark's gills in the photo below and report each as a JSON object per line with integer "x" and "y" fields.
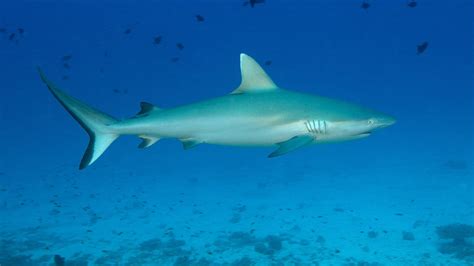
{"x": 93, "y": 121}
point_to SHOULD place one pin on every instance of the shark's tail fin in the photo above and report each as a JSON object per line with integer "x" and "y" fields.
{"x": 93, "y": 121}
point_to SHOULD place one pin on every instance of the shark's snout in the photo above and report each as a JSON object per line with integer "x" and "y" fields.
{"x": 385, "y": 121}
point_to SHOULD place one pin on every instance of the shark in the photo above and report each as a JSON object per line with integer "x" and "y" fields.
{"x": 256, "y": 113}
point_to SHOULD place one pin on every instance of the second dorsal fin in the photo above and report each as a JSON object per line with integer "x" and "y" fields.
{"x": 254, "y": 77}
{"x": 146, "y": 108}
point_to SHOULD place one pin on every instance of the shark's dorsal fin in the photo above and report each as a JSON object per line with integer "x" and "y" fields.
{"x": 254, "y": 78}
{"x": 146, "y": 108}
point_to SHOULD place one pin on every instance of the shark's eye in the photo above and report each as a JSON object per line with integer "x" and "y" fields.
{"x": 370, "y": 121}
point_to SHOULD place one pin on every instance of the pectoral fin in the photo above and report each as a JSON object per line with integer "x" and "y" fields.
{"x": 291, "y": 145}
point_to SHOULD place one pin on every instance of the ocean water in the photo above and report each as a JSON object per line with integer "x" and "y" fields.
{"x": 403, "y": 196}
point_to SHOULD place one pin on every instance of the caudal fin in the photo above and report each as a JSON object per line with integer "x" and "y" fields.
{"x": 93, "y": 121}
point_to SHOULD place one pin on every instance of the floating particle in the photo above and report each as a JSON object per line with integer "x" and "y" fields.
{"x": 372, "y": 234}
{"x": 199, "y": 18}
{"x": 408, "y": 236}
{"x": 253, "y": 2}
{"x": 365, "y": 5}
{"x": 412, "y": 3}
{"x": 157, "y": 40}
{"x": 421, "y": 48}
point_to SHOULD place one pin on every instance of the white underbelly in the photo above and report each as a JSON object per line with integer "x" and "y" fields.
{"x": 252, "y": 136}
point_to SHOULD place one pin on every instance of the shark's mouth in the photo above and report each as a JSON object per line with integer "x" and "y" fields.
{"x": 365, "y": 134}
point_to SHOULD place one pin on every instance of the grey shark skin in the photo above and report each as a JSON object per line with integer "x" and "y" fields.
{"x": 257, "y": 113}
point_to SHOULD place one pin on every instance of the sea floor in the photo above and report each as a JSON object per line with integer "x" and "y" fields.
{"x": 284, "y": 214}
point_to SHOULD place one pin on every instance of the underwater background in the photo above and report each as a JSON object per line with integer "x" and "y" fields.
{"x": 403, "y": 196}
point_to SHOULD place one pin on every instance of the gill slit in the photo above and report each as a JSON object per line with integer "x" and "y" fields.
{"x": 320, "y": 128}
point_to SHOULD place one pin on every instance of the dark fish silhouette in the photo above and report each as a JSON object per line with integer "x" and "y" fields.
{"x": 65, "y": 77}
{"x": 12, "y": 36}
{"x": 180, "y": 46}
{"x": 3, "y": 30}
{"x": 365, "y": 5}
{"x": 412, "y": 3}
{"x": 67, "y": 57}
{"x": 157, "y": 40}
{"x": 268, "y": 62}
{"x": 21, "y": 31}
{"x": 253, "y": 2}
{"x": 174, "y": 59}
{"x": 66, "y": 66}
{"x": 59, "y": 261}
{"x": 421, "y": 48}
{"x": 127, "y": 31}
{"x": 199, "y": 18}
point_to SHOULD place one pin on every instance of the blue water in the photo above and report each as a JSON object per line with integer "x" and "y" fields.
{"x": 382, "y": 200}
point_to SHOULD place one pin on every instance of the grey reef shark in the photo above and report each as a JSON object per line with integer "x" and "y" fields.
{"x": 257, "y": 113}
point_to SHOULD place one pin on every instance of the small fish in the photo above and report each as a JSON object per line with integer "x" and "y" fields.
{"x": 66, "y": 66}
{"x": 268, "y": 62}
{"x": 421, "y": 48}
{"x": 116, "y": 91}
{"x": 180, "y": 46}
{"x": 20, "y": 31}
{"x": 412, "y": 3}
{"x": 128, "y": 31}
{"x": 199, "y": 18}
{"x": 65, "y": 77}
{"x": 11, "y": 37}
{"x": 174, "y": 59}
{"x": 365, "y": 5}
{"x": 3, "y": 30}
{"x": 67, "y": 57}
{"x": 157, "y": 40}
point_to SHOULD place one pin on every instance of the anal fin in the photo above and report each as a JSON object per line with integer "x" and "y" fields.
{"x": 291, "y": 145}
{"x": 190, "y": 143}
{"x": 147, "y": 141}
